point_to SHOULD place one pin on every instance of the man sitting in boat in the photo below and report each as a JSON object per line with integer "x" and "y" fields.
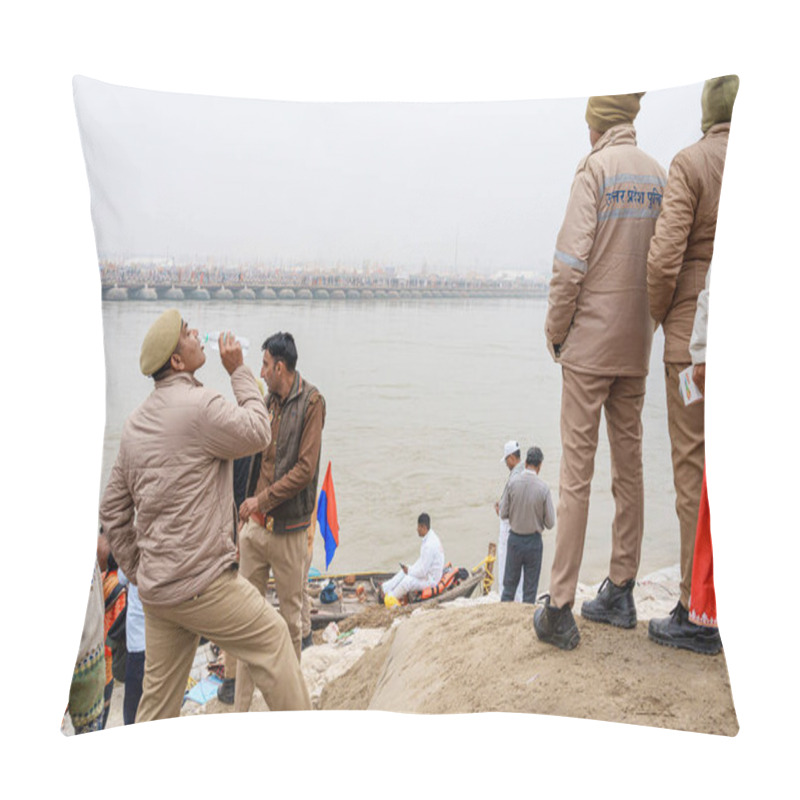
{"x": 424, "y": 572}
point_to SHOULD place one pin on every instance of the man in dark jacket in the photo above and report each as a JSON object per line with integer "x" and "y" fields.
{"x": 282, "y": 492}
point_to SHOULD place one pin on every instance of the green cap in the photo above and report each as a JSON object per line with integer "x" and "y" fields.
{"x": 717, "y": 100}
{"x": 606, "y": 111}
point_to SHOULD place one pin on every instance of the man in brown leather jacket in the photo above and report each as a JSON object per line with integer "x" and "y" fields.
{"x": 598, "y": 329}
{"x": 680, "y": 255}
{"x": 282, "y": 493}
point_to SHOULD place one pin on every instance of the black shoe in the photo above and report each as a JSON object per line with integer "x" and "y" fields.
{"x": 677, "y": 630}
{"x": 306, "y": 641}
{"x": 226, "y": 692}
{"x": 613, "y": 604}
{"x": 556, "y": 626}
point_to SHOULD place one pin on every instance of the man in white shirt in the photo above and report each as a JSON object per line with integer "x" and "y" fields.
{"x": 424, "y": 572}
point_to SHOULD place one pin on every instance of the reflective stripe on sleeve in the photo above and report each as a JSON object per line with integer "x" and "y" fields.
{"x": 571, "y": 261}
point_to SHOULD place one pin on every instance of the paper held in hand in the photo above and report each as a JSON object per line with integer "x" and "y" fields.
{"x": 689, "y": 391}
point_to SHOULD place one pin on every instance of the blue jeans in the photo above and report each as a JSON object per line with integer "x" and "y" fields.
{"x": 523, "y": 552}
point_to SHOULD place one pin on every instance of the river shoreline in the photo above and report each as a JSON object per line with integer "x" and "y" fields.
{"x": 450, "y": 658}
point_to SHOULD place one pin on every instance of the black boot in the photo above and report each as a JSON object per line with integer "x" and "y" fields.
{"x": 226, "y": 692}
{"x": 556, "y": 626}
{"x": 677, "y": 630}
{"x": 613, "y": 604}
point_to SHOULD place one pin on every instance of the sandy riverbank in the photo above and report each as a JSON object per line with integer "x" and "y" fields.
{"x": 484, "y": 656}
{"x": 480, "y": 655}
{"x": 487, "y": 659}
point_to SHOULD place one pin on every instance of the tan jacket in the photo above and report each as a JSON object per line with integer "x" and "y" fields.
{"x": 683, "y": 244}
{"x": 597, "y": 308}
{"x": 168, "y": 508}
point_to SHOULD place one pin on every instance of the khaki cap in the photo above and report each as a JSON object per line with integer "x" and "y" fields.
{"x": 160, "y": 341}
{"x": 606, "y": 111}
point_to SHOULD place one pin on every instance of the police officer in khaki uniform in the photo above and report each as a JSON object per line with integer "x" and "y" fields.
{"x": 680, "y": 256}
{"x": 598, "y": 328}
{"x": 168, "y": 514}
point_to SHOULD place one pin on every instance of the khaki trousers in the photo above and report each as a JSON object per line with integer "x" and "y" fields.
{"x": 260, "y": 551}
{"x": 232, "y": 614}
{"x": 687, "y": 437}
{"x": 582, "y": 399}
{"x": 306, "y": 611}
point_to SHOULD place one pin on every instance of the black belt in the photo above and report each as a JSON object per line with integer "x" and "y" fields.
{"x": 524, "y": 534}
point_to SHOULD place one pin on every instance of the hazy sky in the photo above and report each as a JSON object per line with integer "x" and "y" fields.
{"x": 478, "y": 186}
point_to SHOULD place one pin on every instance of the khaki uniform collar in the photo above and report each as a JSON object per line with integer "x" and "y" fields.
{"x": 715, "y": 130}
{"x": 619, "y": 134}
{"x": 178, "y": 377}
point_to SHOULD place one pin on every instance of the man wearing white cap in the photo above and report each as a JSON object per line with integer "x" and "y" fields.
{"x": 169, "y": 516}
{"x": 512, "y": 458}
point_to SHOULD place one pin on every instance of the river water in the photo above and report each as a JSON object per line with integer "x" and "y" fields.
{"x": 421, "y": 396}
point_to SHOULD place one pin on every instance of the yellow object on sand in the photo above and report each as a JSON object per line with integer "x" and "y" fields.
{"x": 390, "y": 601}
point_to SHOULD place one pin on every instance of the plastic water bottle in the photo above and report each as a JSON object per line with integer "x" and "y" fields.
{"x": 212, "y": 339}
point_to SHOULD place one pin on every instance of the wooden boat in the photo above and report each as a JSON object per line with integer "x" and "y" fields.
{"x": 357, "y": 592}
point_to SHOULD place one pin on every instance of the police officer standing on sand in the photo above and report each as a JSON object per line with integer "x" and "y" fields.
{"x": 598, "y": 328}
{"x": 679, "y": 259}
